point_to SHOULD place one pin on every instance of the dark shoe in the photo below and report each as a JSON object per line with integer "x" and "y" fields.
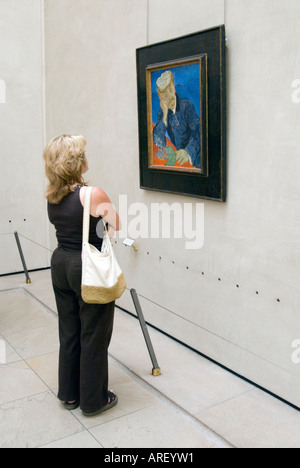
{"x": 71, "y": 406}
{"x": 112, "y": 401}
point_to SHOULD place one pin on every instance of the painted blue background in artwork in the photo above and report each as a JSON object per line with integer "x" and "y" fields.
{"x": 187, "y": 85}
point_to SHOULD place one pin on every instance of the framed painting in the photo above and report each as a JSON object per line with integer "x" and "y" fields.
{"x": 176, "y": 115}
{"x": 182, "y": 115}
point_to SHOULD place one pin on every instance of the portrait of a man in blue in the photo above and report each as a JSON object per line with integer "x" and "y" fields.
{"x": 176, "y": 105}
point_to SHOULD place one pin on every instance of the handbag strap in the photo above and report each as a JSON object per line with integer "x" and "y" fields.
{"x": 86, "y": 215}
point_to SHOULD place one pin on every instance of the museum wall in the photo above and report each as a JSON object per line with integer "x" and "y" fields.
{"x": 22, "y": 134}
{"x": 235, "y": 299}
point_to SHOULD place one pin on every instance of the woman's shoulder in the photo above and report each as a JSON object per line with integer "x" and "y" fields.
{"x": 99, "y": 197}
{"x": 97, "y": 192}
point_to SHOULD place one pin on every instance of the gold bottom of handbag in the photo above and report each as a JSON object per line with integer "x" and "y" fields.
{"x": 100, "y": 295}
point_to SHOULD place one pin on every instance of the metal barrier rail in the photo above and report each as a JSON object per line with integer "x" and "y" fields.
{"x": 28, "y": 280}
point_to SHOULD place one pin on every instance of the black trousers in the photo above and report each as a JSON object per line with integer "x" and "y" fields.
{"x": 84, "y": 331}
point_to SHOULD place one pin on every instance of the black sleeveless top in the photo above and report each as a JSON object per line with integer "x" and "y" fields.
{"x": 67, "y": 218}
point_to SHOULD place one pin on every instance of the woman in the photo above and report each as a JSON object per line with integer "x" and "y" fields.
{"x": 84, "y": 329}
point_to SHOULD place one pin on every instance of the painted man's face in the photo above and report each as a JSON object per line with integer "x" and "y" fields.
{"x": 168, "y": 96}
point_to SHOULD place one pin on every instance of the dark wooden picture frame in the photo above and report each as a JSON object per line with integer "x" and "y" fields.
{"x": 182, "y": 115}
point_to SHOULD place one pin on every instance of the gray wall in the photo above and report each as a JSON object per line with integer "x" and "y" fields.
{"x": 22, "y": 133}
{"x": 251, "y": 241}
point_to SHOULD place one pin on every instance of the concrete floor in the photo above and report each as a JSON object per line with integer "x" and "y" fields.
{"x": 192, "y": 404}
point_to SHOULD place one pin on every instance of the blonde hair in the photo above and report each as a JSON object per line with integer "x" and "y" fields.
{"x": 64, "y": 158}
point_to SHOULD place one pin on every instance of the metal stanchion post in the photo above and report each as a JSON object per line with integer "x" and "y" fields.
{"x": 156, "y": 369}
{"x": 28, "y": 280}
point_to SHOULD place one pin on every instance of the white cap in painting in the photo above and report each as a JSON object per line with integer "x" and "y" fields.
{"x": 164, "y": 80}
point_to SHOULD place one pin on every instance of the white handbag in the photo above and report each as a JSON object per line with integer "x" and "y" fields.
{"x": 102, "y": 278}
